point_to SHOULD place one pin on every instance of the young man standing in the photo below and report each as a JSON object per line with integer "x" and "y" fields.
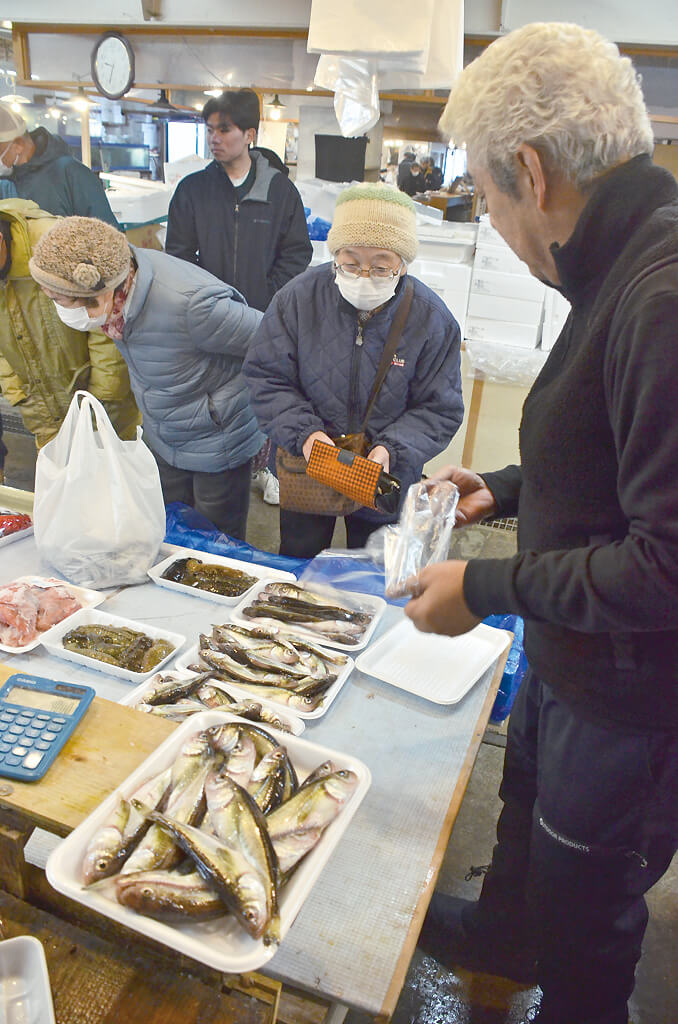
{"x": 240, "y": 218}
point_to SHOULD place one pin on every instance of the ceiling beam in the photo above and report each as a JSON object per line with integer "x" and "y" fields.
{"x": 155, "y": 29}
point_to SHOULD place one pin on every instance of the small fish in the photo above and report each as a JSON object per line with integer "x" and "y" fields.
{"x": 267, "y": 784}
{"x": 255, "y": 712}
{"x": 168, "y": 896}
{"x": 169, "y": 688}
{"x": 337, "y": 632}
{"x": 300, "y": 596}
{"x": 213, "y": 696}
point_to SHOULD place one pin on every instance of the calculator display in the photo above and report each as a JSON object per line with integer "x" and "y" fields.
{"x": 52, "y": 702}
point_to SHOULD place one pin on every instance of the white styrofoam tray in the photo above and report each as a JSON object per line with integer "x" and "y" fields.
{"x": 258, "y": 571}
{"x": 222, "y": 944}
{"x": 439, "y": 668}
{"x": 18, "y": 534}
{"x": 91, "y": 616}
{"x": 25, "y": 994}
{"x": 191, "y": 657}
{"x": 291, "y": 720}
{"x": 352, "y": 600}
{"x": 87, "y": 598}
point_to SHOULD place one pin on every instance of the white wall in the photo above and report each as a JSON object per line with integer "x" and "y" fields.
{"x": 280, "y": 13}
{"x": 625, "y": 21}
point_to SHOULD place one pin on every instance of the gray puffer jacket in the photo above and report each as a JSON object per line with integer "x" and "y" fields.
{"x": 184, "y": 341}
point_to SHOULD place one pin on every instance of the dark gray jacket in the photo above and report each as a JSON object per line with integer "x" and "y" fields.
{"x": 257, "y": 244}
{"x": 184, "y": 342}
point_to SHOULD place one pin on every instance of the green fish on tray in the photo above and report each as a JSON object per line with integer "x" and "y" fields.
{"x": 117, "y": 645}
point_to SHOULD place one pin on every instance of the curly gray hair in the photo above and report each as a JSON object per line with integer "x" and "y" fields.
{"x": 560, "y": 88}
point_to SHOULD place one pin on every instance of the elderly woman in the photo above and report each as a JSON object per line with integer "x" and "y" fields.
{"x": 183, "y": 335}
{"x": 313, "y": 362}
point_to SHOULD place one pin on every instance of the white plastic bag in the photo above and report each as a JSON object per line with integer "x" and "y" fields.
{"x": 98, "y": 516}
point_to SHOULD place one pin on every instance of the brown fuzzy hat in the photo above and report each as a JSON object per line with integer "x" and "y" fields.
{"x": 80, "y": 257}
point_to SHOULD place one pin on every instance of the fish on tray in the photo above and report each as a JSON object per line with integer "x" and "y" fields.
{"x": 295, "y": 606}
{"x": 215, "y": 579}
{"x": 117, "y": 645}
{"x": 219, "y": 832}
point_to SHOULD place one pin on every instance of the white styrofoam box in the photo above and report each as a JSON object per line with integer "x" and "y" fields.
{"x": 512, "y": 286}
{"x": 321, "y": 253}
{"x": 519, "y": 335}
{"x": 453, "y": 243}
{"x": 457, "y": 303}
{"x": 487, "y": 234}
{"x": 498, "y": 307}
{"x": 500, "y": 258}
{"x": 556, "y": 311}
{"x": 442, "y": 275}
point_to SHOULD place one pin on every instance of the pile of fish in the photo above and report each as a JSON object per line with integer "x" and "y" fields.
{"x": 220, "y": 831}
{"x": 289, "y": 669}
{"x": 117, "y": 645}
{"x": 177, "y": 697}
{"x": 28, "y": 609}
{"x": 293, "y": 605}
{"x": 215, "y": 579}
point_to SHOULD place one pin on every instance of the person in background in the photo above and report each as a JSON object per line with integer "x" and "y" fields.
{"x": 414, "y": 182}
{"x": 433, "y": 176}
{"x": 183, "y": 335}
{"x": 240, "y": 218}
{"x": 404, "y": 166}
{"x": 559, "y": 143}
{"x": 42, "y": 361}
{"x": 7, "y": 191}
{"x": 313, "y": 362}
{"x": 41, "y": 168}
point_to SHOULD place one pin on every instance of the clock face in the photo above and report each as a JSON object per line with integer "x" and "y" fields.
{"x": 113, "y": 65}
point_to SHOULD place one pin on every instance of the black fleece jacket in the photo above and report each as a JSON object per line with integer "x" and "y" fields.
{"x": 596, "y": 574}
{"x": 256, "y": 244}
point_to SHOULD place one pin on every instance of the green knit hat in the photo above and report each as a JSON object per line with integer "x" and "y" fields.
{"x": 80, "y": 256}
{"x": 375, "y": 214}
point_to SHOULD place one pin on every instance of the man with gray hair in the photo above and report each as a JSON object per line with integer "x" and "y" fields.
{"x": 559, "y": 142}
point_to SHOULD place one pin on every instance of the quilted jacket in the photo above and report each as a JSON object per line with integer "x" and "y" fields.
{"x": 311, "y": 368}
{"x": 42, "y": 361}
{"x": 184, "y": 340}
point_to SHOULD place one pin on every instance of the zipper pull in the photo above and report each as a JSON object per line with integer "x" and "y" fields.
{"x": 359, "y": 337}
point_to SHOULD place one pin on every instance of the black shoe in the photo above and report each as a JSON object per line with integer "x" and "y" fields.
{"x": 448, "y": 935}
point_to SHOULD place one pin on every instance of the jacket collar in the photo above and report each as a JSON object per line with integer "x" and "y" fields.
{"x": 622, "y": 199}
{"x": 263, "y": 176}
{"x": 142, "y": 285}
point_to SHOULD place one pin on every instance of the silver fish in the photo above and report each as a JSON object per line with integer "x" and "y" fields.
{"x": 168, "y": 896}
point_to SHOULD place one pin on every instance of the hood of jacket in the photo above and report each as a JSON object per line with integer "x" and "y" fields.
{"x": 28, "y": 224}
{"x": 263, "y": 176}
{"x": 48, "y": 147}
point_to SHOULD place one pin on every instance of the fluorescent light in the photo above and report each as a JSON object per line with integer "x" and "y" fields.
{"x": 7, "y": 24}
{"x": 36, "y": 78}
{"x": 213, "y": 92}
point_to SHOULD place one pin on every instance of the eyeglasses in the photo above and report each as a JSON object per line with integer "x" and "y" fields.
{"x": 375, "y": 273}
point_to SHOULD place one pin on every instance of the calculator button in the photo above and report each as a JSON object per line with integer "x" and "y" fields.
{"x": 59, "y": 721}
{"x": 42, "y": 746}
{"x": 16, "y": 729}
{"x": 33, "y": 733}
{"x": 23, "y": 721}
{"x": 28, "y": 714}
{"x": 12, "y": 760}
{"x": 43, "y": 718}
{"x": 11, "y": 711}
{"x": 49, "y": 736}
{"x": 56, "y": 728}
{"x": 3, "y": 726}
{"x": 19, "y": 751}
{"x": 6, "y": 718}
{"x": 5, "y": 747}
{"x": 25, "y": 742}
{"x": 33, "y": 760}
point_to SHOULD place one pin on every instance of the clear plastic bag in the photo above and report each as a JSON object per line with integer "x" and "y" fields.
{"x": 422, "y": 535}
{"x": 98, "y": 515}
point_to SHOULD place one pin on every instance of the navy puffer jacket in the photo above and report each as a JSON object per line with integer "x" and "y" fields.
{"x": 307, "y": 371}
{"x": 184, "y": 341}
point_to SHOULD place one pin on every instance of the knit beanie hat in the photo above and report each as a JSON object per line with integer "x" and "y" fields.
{"x": 375, "y": 214}
{"x": 80, "y": 256}
{"x": 12, "y": 125}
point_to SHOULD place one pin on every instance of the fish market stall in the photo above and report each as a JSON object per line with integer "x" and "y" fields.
{"x": 350, "y": 938}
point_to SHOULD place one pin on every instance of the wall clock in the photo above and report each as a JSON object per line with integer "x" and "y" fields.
{"x": 113, "y": 65}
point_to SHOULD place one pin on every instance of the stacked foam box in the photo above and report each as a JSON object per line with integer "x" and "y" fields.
{"x": 556, "y": 310}
{"x": 506, "y": 304}
{"x": 451, "y": 281}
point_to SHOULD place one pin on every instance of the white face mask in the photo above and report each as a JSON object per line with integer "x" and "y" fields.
{"x": 364, "y": 293}
{"x": 5, "y": 171}
{"x": 78, "y": 318}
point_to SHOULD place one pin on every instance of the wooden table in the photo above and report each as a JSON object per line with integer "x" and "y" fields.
{"x": 353, "y": 939}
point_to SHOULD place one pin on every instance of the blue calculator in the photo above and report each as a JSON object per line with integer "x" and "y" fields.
{"x": 37, "y": 716}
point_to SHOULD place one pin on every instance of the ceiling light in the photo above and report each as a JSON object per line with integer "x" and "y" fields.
{"x": 275, "y": 102}
{"x": 36, "y": 78}
{"x": 7, "y": 24}
{"x": 81, "y": 101}
{"x": 213, "y": 92}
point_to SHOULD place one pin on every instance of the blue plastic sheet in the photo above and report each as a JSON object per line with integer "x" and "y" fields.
{"x": 516, "y": 665}
{"x": 188, "y": 528}
{"x": 348, "y": 571}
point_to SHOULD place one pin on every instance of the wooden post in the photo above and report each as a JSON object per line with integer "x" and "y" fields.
{"x": 472, "y": 424}
{"x": 86, "y": 145}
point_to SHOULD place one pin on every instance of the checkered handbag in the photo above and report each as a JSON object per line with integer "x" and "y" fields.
{"x": 299, "y": 492}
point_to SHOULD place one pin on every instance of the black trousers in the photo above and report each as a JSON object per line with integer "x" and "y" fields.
{"x": 303, "y": 535}
{"x": 223, "y": 498}
{"x": 589, "y": 824}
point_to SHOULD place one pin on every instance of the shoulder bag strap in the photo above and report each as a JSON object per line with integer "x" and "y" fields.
{"x": 394, "y": 336}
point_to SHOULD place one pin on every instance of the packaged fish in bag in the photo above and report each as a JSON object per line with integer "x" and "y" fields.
{"x": 422, "y": 535}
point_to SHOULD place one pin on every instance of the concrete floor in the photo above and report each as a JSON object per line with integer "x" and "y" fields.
{"x": 432, "y": 995}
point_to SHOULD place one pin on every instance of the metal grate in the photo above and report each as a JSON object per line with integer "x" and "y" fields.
{"x": 509, "y": 525}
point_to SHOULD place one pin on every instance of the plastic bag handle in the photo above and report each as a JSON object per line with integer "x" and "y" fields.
{"x": 79, "y": 419}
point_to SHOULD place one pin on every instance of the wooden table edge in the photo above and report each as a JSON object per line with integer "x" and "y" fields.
{"x": 409, "y": 946}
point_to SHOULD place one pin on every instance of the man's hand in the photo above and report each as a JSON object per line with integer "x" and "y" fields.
{"x": 476, "y": 500}
{"x": 380, "y": 454}
{"x": 438, "y": 604}
{"x": 317, "y": 435}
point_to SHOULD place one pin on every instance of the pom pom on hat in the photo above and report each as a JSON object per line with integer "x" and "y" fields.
{"x": 375, "y": 214}
{"x": 80, "y": 256}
